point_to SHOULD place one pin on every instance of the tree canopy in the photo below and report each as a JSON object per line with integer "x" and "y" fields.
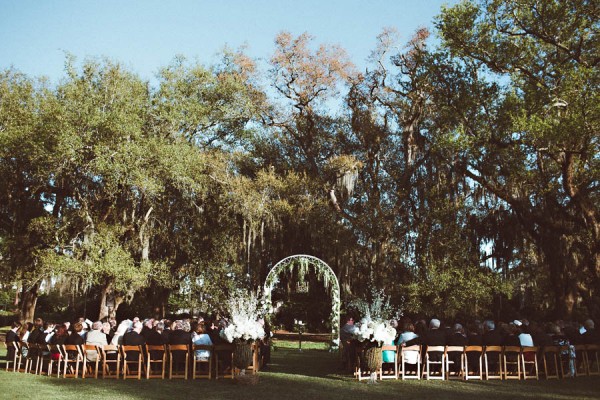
{"x": 462, "y": 176}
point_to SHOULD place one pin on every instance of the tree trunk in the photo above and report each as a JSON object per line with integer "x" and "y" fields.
{"x": 28, "y": 303}
{"x": 159, "y": 299}
{"x": 563, "y": 271}
{"x": 109, "y": 302}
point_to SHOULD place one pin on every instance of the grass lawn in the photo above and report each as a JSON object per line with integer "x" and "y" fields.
{"x": 306, "y": 375}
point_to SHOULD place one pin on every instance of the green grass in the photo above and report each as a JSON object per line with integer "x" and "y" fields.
{"x": 306, "y": 375}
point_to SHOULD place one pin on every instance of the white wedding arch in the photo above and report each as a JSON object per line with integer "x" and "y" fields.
{"x": 325, "y": 274}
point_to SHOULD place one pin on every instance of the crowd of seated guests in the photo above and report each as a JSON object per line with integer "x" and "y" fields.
{"x": 521, "y": 333}
{"x": 487, "y": 333}
{"x": 134, "y": 332}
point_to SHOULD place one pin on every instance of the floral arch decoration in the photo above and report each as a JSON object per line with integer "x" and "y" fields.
{"x": 324, "y": 274}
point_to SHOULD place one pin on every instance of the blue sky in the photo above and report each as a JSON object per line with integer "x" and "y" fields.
{"x": 146, "y": 35}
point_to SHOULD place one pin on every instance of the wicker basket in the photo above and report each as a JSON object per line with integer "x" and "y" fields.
{"x": 242, "y": 355}
{"x": 371, "y": 358}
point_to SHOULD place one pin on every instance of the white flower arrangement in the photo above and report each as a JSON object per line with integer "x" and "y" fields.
{"x": 244, "y": 310}
{"x": 375, "y": 331}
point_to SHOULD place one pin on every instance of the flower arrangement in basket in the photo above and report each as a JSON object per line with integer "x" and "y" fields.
{"x": 374, "y": 330}
{"x": 244, "y": 326}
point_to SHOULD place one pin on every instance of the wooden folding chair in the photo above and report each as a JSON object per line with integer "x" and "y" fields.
{"x": 492, "y": 357}
{"x": 473, "y": 371}
{"x": 407, "y": 353}
{"x": 34, "y": 355}
{"x": 13, "y": 356}
{"x": 111, "y": 361}
{"x": 529, "y": 359}
{"x": 428, "y": 362}
{"x": 90, "y": 367}
{"x": 581, "y": 360}
{"x": 511, "y": 358}
{"x": 200, "y": 364}
{"x": 156, "y": 355}
{"x": 58, "y": 359}
{"x": 175, "y": 352}
{"x": 26, "y": 361}
{"x": 451, "y": 352}
{"x": 255, "y": 366}
{"x": 223, "y": 352}
{"x": 564, "y": 360}
{"x": 593, "y": 358}
{"x": 44, "y": 358}
{"x": 132, "y": 356}
{"x": 73, "y": 359}
{"x": 394, "y": 374}
{"x": 551, "y": 357}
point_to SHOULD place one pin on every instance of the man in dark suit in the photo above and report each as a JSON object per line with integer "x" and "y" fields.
{"x": 435, "y": 337}
{"x": 134, "y": 338}
{"x": 179, "y": 336}
{"x": 456, "y": 338}
{"x": 38, "y": 330}
{"x": 591, "y": 335}
{"x": 492, "y": 337}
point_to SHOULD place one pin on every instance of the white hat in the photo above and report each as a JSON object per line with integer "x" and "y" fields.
{"x": 517, "y": 322}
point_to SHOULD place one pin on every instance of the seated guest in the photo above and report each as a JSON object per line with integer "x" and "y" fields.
{"x": 59, "y": 338}
{"x": 200, "y": 337}
{"x": 475, "y": 334}
{"x": 421, "y": 328}
{"x": 435, "y": 336}
{"x": 12, "y": 337}
{"x": 46, "y": 335}
{"x": 512, "y": 336}
{"x": 134, "y": 338}
{"x": 107, "y": 330}
{"x": 525, "y": 338}
{"x": 25, "y": 331}
{"x": 179, "y": 336}
{"x": 538, "y": 335}
{"x": 156, "y": 337}
{"x": 95, "y": 337}
{"x": 37, "y": 331}
{"x": 491, "y": 336}
{"x": 23, "y": 334}
{"x": 591, "y": 335}
{"x": 474, "y": 338}
{"x": 148, "y": 327}
{"x": 458, "y": 337}
{"x": 75, "y": 336}
{"x": 122, "y": 329}
{"x": 408, "y": 337}
{"x": 389, "y": 355}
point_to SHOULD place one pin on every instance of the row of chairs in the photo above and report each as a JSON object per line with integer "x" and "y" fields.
{"x": 477, "y": 362}
{"x": 126, "y": 362}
